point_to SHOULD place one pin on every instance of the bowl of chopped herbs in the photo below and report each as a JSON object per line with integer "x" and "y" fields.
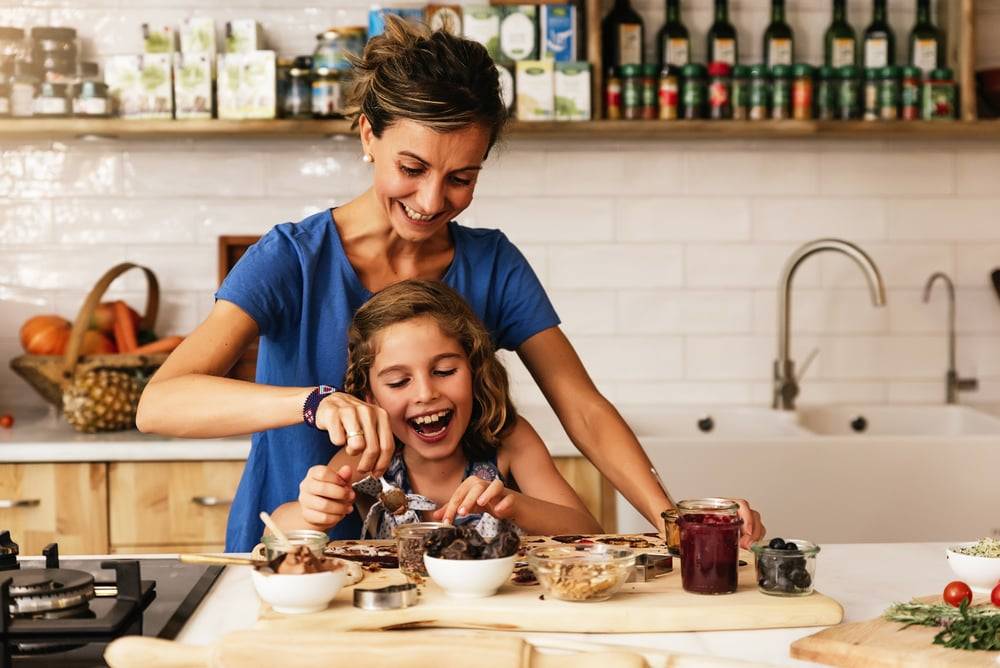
{"x": 977, "y": 564}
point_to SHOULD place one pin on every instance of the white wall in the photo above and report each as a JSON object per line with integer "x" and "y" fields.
{"x": 662, "y": 258}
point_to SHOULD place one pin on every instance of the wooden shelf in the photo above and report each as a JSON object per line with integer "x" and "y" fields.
{"x": 119, "y": 129}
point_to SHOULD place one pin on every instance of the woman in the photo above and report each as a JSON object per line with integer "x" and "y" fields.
{"x": 428, "y": 113}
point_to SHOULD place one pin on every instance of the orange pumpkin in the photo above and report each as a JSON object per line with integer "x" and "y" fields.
{"x": 45, "y": 335}
{"x": 95, "y": 343}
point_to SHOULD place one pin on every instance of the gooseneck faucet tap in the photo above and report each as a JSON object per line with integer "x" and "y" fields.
{"x": 953, "y": 383}
{"x": 786, "y": 386}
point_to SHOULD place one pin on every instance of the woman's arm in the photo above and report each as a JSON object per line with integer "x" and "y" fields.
{"x": 188, "y": 397}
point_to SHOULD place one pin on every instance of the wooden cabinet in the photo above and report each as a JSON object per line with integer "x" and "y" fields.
{"x": 160, "y": 505}
{"x": 49, "y": 503}
{"x": 597, "y": 493}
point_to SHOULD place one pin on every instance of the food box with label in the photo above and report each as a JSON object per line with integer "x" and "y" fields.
{"x": 246, "y": 85}
{"x": 445, "y": 17}
{"x": 572, "y": 91}
{"x": 244, "y": 36}
{"x": 141, "y": 85}
{"x": 193, "y": 85}
{"x": 535, "y": 90}
{"x": 519, "y": 33}
{"x": 197, "y": 35}
{"x": 558, "y": 32}
{"x": 481, "y": 23}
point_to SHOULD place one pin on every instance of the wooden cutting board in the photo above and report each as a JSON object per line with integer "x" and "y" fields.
{"x": 879, "y": 643}
{"x": 651, "y": 607}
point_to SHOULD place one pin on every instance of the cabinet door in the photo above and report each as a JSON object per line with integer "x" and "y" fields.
{"x": 595, "y": 491}
{"x": 168, "y": 549}
{"x": 55, "y": 503}
{"x": 159, "y": 504}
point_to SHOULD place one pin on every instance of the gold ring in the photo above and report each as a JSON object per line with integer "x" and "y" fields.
{"x": 352, "y": 434}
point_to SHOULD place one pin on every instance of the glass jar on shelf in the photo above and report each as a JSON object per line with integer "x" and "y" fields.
{"x": 741, "y": 93}
{"x": 720, "y": 87}
{"x": 631, "y": 92}
{"x": 612, "y": 94}
{"x": 54, "y": 53}
{"x": 297, "y": 99}
{"x": 335, "y": 46}
{"x": 849, "y": 93}
{"x": 909, "y": 93}
{"x": 781, "y": 92}
{"x": 52, "y": 100}
{"x": 871, "y": 93}
{"x": 91, "y": 100}
{"x": 12, "y": 49}
{"x": 802, "y": 92}
{"x": 694, "y": 95}
{"x": 760, "y": 93}
{"x": 826, "y": 93}
{"x": 23, "y": 86}
{"x": 889, "y": 93}
{"x": 940, "y": 95}
{"x": 670, "y": 92}
{"x": 327, "y": 93}
{"x": 649, "y": 88}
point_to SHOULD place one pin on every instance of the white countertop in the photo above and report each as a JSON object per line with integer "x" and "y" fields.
{"x": 864, "y": 578}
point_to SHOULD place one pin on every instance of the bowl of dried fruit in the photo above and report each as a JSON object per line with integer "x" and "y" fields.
{"x": 581, "y": 572}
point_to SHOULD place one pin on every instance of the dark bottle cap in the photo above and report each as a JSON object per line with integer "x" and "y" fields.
{"x": 49, "y": 32}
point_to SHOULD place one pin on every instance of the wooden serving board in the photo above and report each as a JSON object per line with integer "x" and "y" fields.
{"x": 879, "y": 643}
{"x": 657, "y": 606}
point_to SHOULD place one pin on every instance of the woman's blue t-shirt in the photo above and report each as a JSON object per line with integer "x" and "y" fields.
{"x": 299, "y": 287}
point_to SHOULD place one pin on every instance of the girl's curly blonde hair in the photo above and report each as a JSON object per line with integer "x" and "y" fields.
{"x": 493, "y": 412}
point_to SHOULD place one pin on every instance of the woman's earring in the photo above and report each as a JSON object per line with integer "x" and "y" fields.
{"x": 367, "y": 157}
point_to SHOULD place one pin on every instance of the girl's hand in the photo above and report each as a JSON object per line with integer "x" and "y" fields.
{"x": 359, "y": 426}
{"x": 326, "y": 496}
{"x": 753, "y": 528}
{"x": 476, "y": 495}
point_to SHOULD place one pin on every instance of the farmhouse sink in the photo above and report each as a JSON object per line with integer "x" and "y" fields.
{"x": 922, "y": 420}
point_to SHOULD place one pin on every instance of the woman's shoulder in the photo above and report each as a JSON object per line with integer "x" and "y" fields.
{"x": 312, "y": 229}
{"x": 479, "y": 244}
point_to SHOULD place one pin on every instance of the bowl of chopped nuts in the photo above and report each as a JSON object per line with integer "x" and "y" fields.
{"x": 581, "y": 572}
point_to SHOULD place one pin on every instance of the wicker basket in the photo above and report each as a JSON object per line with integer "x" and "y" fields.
{"x": 50, "y": 374}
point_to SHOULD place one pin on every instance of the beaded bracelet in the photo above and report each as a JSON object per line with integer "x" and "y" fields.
{"x": 312, "y": 403}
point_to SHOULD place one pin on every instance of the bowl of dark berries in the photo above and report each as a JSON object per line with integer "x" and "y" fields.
{"x": 786, "y": 567}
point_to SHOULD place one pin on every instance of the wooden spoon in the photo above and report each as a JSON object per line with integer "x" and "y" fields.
{"x": 276, "y": 530}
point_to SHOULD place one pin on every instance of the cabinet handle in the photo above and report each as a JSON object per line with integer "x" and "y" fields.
{"x": 19, "y": 503}
{"x": 210, "y": 501}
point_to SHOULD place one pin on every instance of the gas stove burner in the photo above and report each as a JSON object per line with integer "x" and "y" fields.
{"x": 47, "y": 589}
{"x": 79, "y": 612}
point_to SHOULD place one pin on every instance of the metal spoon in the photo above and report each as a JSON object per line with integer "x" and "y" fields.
{"x": 393, "y": 498}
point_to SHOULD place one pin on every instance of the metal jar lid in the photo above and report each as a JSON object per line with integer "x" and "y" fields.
{"x": 392, "y": 597}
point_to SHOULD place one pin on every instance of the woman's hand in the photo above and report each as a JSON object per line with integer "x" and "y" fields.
{"x": 476, "y": 495}
{"x": 326, "y": 496}
{"x": 753, "y": 528}
{"x": 359, "y": 426}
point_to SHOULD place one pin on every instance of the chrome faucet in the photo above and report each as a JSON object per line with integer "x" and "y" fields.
{"x": 786, "y": 386}
{"x": 953, "y": 383}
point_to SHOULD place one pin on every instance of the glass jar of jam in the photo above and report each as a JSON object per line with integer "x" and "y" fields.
{"x": 710, "y": 545}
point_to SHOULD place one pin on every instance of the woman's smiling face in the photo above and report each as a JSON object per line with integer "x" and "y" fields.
{"x": 424, "y": 178}
{"x": 422, "y": 378}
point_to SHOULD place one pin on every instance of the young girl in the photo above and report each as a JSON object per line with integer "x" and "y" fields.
{"x": 418, "y": 353}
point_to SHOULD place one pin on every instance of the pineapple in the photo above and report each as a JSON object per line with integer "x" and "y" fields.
{"x": 102, "y": 400}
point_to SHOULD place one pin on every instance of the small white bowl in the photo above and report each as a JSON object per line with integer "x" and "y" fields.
{"x": 297, "y": 594}
{"x": 982, "y": 574}
{"x": 469, "y": 578}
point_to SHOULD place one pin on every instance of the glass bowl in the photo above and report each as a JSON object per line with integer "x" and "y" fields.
{"x": 316, "y": 540}
{"x": 581, "y": 572}
{"x": 410, "y": 539}
{"x": 783, "y": 572}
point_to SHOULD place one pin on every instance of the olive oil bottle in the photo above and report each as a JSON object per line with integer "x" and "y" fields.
{"x": 879, "y": 47}
{"x": 779, "y": 45}
{"x": 673, "y": 42}
{"x": 622, "y": 36}
{"x": 926, "y": 41}
{"x": 722, "y": 42}
{"x": 839, "y": 42}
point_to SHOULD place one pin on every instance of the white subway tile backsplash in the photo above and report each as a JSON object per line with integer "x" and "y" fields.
{"x": 615, "y": 266}
{"x": 902, "y": 265}
{"x": 684, "y": 311}
{"x": 918, "y": 392}
{"x": 804, "y": 219}
{"x": 694, "y": 393}
{"x": 32, "y": 173}
{"x": 563, "y": 176}
{"x": 632, "y": 358}
{"x": 974, "y": 263}
{"x": 682, "y": 219}
{"x": 887, "y": 357}
{"x": 976, "y": 171}
{"x": 728, "y": 357}
{"x": 944, "y": 219}
{"x": 880, "y": 172}
{"x": 772, "y": 172}
{"x": 586, "y": 311}
{"x": 25, "y": 223}
{"x": 557, "y": 220}
{"x": 742, "y": 266}
{"x": 656, "y": 172}
{"x": 50, "y": 268}
{"x": 99, "y": 221}
{"x": 181, "y": 267}
{"x": 823, "y": 312}
{"x": 185, "y": 173}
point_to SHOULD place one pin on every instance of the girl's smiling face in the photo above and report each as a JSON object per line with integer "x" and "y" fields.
{"x": 424, "y": 178}
{"x": 422, "y": 378}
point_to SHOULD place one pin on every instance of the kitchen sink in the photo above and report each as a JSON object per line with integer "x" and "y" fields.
{"x": 924, "y": 420}
{"x": 707, "y": 422}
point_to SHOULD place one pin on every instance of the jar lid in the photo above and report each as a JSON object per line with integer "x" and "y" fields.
{"x": 670, "y": 71}
{"x": 87, "y": 70}
{"x": 284, "y": 62}
{"x": 719, "y": 69}
{"x": 11, "y": 34}
{"x": 873, "y": 72}
{"x": 826, "y": 72}
{"x": 759, "y": 72}
{"x": 298, "y": 72}
{"x": 303, "y": 62}
{"x": 56, "y": 33}
{"x": 942, "y": 74}
{"x": 848, "y": 72}
{"x": 324, "y": 71}
{"x": 741, "y": 71}
{"x": 911, "y": 71}
{"x": 781, "y": 71}
{"x": 802, "y": 70}
{"x": 51, "y": 89}
{"x": 417, "y": 529}
{"x": 649, "y": 70}
{"x": 631, "y": 70}
{"x": 693, "y": 70}
{"x": 91, "y": 89}
{"x": 710, "y": 505}
{"x": 890, "y": 72}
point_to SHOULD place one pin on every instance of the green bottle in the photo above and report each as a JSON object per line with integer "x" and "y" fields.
{"x": 779, "y": 46}
{"x": 673, "y": 42}
{"x": 879, "y": 47}
{"x": 839, "y": 42}
{"x": 722, "y": 44}
{"x": 926, "y": 41}
{"x": 622, "y": 36}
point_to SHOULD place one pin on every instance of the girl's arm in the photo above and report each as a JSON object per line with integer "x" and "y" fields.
{"x": 189, "y": 397}
{"x": 325, "y": 495}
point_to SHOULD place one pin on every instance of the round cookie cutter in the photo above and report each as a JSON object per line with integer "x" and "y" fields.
{"x": 392, "y": 597}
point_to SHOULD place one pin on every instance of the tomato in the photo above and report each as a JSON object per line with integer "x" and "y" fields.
{"x": 995, "y": 596}
{"x": 956, "y": 592}
{"x": 6, "y": 421}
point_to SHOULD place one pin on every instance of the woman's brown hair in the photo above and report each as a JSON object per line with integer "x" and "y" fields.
{"x": 492, "y": 411}
{"x": 433, "y": 78}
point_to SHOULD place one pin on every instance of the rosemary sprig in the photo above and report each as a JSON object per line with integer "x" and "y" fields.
{"x": 965, "y": 627}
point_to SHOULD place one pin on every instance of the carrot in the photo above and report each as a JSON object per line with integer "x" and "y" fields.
{"x": 164, "y": 345}
{"x": 124, "y": 329}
